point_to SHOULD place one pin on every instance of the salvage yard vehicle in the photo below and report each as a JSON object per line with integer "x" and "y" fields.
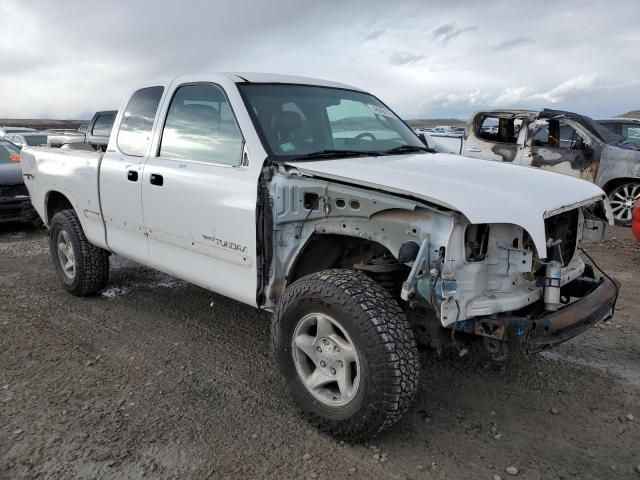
{"x": 313, "y": 200}
{"x": 31, "y": 139}
{"x": 93, "y": 136}
{"x": 4, "y": 131}
{"x": 14, "y": 197}
{"x": 629, "y": 128}
{"x": 555, "y": 140}
{"x": 99, "y": 129}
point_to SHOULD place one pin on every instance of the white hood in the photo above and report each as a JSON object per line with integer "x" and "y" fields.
{"x": 483, "y": 191}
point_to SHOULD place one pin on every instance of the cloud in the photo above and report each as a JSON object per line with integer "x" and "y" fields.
{"x": 511, "y": 96}
{"x": 515, "y": 42}
{"x": 57, "y": 62}
{"x": 405, "y": 58}
{"x": 570, "y": 88}
{"x": 374, "y": 34}
{"x": 442, "y": 34}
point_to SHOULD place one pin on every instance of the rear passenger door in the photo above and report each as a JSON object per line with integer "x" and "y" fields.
{"x": 120, "y": 177}
{"x": 199, "y": 197}
{"x": 557, "y": 145}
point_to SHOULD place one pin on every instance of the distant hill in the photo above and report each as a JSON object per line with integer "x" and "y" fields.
{"x": 42, "y": 124}
{"x": 434, "y": 122}
{"x": 631, "y": 114}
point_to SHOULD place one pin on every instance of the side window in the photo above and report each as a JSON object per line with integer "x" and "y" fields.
{"x": 498, "y": 130}
{"x": 135, "y": 130}
{"x": 631, "y": 133}
{"x": 556, "y": 134}
{"x": 201, "y": 126}
{"x": 103, "y": 124}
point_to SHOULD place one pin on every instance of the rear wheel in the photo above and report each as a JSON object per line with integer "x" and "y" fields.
{"x": 82, "y": 267}
{"x": 345, "y": 349}
{"x": 622, "y": 199}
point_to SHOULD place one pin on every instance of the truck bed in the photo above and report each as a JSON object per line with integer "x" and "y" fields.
{"x": 72, "y": 174}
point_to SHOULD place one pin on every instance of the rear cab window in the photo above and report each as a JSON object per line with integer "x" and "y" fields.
{"x": 134, "y": 135}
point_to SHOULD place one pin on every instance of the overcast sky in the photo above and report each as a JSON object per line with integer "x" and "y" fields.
{"x": 66, "y": 59}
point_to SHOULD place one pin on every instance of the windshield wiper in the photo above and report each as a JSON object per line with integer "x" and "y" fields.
{"x": 408, "y": 149}
{"x": 334, "y": 154}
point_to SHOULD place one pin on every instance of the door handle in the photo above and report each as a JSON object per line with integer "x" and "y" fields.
{"x": 474, "y": 150}
{"x": 132, "y": 176}
{"x": 156, "y": 179}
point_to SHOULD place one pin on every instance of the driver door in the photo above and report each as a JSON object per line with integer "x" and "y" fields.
{"x": 199, "y": 197}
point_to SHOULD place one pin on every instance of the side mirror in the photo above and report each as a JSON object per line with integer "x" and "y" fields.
{"x": 423, "y": 139}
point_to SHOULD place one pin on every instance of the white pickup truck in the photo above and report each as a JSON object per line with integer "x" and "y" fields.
{"x": 313, "y": 200}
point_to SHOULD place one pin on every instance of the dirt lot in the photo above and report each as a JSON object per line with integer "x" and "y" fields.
{"x": 156, "y": 378}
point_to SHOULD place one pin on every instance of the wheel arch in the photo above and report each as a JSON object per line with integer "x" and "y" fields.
{"x": 55, "y": 202}
{"x": 616, "y": 182}
{"x": 325, "y": 251}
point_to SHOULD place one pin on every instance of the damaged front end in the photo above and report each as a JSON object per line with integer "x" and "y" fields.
{"x": 490, "y": 282}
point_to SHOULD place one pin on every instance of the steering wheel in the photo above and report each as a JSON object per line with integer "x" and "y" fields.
{"x": 364, "y": 135}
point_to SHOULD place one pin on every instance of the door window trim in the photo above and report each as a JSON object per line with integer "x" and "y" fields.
{"x": 156, "y": 154}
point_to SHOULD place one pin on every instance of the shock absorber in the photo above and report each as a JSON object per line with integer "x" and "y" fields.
{"x": 552, "y": 279}
{"x": 384, "y": 271}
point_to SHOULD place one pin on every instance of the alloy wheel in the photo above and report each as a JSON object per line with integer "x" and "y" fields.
{"x": 326, "y": 359}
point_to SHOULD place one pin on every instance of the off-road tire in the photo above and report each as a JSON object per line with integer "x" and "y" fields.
{"x": 92, "y": 263}
{"x": 383, "y": 339}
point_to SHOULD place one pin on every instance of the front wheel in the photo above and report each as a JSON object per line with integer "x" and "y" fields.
{"x": 82, "y": 267}
{"x": 622, "y": 199}
{"x": 346, "y": 351}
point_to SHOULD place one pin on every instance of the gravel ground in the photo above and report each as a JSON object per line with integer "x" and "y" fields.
{"x": 156, "y": 378}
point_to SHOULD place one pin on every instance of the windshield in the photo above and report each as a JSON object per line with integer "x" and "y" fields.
{"x": 297, "y": 120}
{"x": 35, "y": 140}
{"x": 9, "y": 153}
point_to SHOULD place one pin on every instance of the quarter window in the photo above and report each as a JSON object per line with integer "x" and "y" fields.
{"x": 135, "y": 129}
{"x": 201, "y": 126}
